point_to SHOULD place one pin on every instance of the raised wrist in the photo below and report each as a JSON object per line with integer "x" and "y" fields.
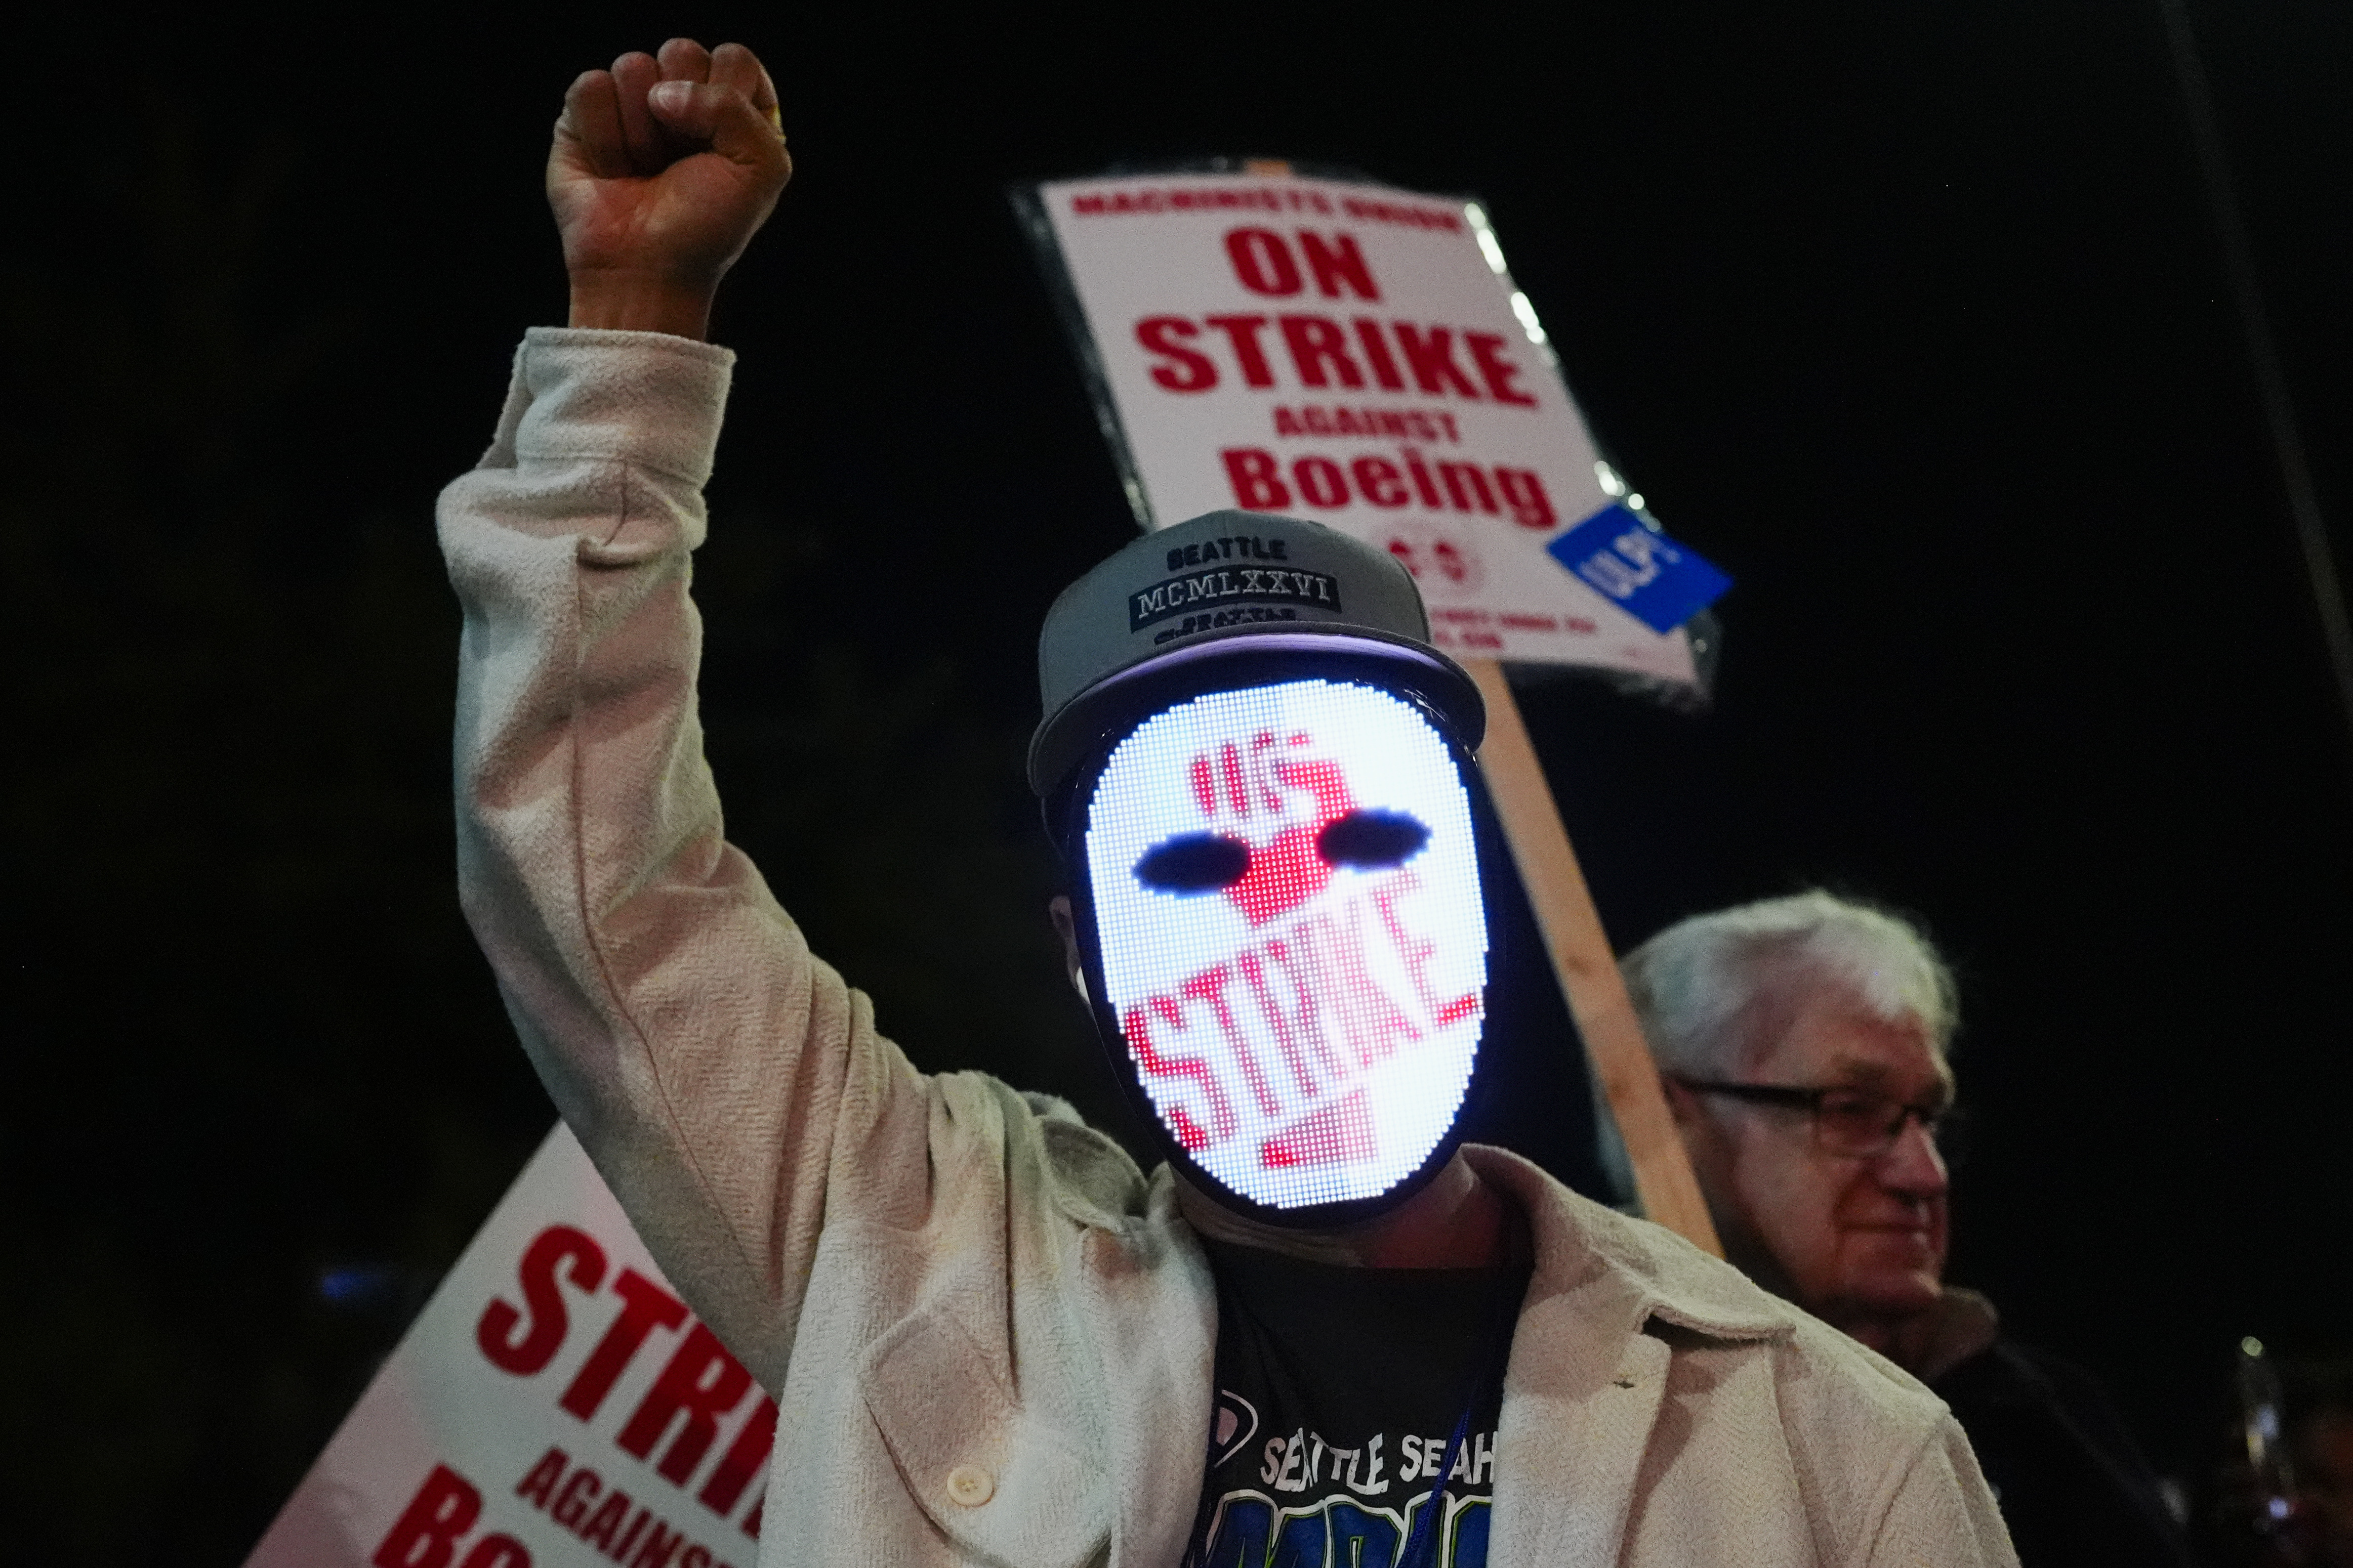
{"x": 636, "y": 302}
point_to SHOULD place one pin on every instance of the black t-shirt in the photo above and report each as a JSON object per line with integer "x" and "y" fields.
{"x": 1337, "y": 1391}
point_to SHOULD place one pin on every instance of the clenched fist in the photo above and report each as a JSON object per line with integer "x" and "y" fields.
{"x": 662, "y": 171}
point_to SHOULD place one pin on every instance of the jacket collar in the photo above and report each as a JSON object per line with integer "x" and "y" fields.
{"x": 1961, "y": 1324}
{"x": 1623, "y": 1272}
{"x": 1585, "y": 1381}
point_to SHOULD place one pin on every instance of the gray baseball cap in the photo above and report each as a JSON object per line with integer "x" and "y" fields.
{"x": 1222, "y": 584}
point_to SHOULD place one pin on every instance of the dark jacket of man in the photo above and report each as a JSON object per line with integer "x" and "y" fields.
{"x": 2074, "y": 1487}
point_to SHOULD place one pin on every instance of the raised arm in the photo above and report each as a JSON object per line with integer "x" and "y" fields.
{"x": 714, "y": 1070}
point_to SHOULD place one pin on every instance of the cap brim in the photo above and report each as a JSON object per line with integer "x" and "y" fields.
{"x": 1102, "y": 712}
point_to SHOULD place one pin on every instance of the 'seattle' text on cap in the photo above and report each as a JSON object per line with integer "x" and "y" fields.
{"x": 1229, "y": 582}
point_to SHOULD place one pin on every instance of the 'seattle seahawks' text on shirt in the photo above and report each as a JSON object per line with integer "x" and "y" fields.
{"x": 1337, "y": 1390}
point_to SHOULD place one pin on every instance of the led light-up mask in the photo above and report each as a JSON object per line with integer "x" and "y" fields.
{"x": 1286, "y": 937}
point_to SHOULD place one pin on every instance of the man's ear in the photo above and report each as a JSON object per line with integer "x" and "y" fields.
{"x": 1058, "y": 910}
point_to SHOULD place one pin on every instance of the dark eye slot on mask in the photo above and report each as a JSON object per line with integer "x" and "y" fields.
{"x": 1371, "y": 840}
{"x": 1193, "y": 863}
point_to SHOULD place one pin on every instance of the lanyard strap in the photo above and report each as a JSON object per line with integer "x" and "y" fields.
{"x": 1421, "y": 1546}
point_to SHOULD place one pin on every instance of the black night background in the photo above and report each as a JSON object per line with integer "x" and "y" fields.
{"x": 1914, "y": 317}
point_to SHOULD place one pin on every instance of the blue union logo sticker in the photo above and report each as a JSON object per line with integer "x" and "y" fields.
{"x": 1642, "y": 571}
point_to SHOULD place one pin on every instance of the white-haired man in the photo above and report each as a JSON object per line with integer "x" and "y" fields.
{"x": 1804, "y": 1044}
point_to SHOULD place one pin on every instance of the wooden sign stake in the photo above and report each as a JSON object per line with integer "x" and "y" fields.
{"x": 1587, "y": 969}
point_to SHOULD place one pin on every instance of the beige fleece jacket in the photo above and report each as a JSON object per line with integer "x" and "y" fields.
{"x": 934, "y": 1274}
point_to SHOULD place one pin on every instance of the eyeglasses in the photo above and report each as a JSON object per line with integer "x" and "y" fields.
{"x": 1849, "y": 1121}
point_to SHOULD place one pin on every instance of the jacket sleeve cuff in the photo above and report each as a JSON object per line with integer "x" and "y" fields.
{"x": 644, "y": 398}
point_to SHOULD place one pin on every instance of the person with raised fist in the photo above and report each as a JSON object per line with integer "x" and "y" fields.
{"x": 1324, "y": 1329}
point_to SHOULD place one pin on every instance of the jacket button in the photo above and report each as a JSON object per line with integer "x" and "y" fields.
{"x": 970, "y": 1486}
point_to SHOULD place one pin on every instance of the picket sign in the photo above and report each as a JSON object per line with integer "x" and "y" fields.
{"x": 554, "y": 1404}
{"x": 1358, "y": 356}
